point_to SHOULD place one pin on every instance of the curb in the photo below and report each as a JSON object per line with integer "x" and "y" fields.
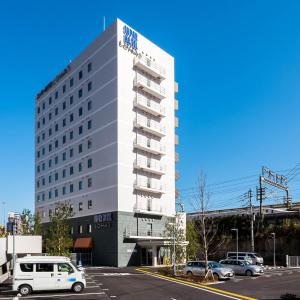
{"x": 197, "y": 285}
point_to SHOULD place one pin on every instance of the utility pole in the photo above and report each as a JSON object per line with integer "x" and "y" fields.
{"x": 252, "y": 219}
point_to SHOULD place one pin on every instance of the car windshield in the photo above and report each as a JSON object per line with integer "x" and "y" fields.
{"x": 214, "y": 264}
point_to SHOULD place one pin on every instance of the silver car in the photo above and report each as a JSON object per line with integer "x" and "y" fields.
{"x": 197, "y": 268}
{"x": 242, "y": 267}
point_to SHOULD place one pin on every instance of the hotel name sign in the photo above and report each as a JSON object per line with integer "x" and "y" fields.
{"x": 130, "y": 40}
{"x": 103, "y": 220}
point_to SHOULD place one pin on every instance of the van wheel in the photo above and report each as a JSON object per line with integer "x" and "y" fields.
{"x": 249, "y": 273}
{"x": 77, "y": 287}
{"x": 216, "y": 277}
{"x": 25, "y": 289}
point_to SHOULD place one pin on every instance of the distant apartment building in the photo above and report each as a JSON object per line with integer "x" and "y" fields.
{"x": 105, "y": 143}
{"x": 14, "y": 223}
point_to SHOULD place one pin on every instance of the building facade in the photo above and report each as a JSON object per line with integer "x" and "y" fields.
{"x": 14, "y": 223}
{"x": 105, "y": 144}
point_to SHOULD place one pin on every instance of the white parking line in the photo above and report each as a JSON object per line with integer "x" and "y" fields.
{"x": 56, "y": 296}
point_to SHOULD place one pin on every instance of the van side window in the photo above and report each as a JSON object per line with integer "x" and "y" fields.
{"x": 64, "y": 268}
{"x": 26, "y": 267}
{"x": 44, "y": 267}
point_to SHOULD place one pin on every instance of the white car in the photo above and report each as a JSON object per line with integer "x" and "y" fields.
{"x": 44, "y": 273}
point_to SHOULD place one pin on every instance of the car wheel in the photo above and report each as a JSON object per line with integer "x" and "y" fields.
{"x": 216, "y": 276}
{"x": 249, "y": 273}
{"x": 189, "y": 273}
{"x": 77, "y": 287}
{"x": 25, "y": 289}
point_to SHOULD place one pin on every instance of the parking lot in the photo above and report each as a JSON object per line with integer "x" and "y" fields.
{"x": 128, "y": 283}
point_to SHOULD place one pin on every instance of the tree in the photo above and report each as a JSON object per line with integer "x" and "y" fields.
{"x": 58, "y": 238}
{"x": 193, "y": 238}
{"x": 31, "y": 223}
{"x": 37, "y": 227}
{"x": 210, "y": 242}
{"x": 176, "y": 232}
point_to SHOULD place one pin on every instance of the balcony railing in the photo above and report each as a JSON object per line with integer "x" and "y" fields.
{"x": 150, "y": 126}
{"x": 149, "y": 66}
{"x": 155, "y": 148}
{"x": 149, "y": 106}
{"x": 152, "y": 166}
{"x": 148, "y": 186}
{"x": 146, "y": 234}
{"x": 145, "y": 209}
{"x": 149, "y": 86}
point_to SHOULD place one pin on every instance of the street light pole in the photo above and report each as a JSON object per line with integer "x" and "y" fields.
{"x": 274, "y": 248}
{"x": 174, "y": 249}
{"x": 237, "y": 241}
{"x": 14, "y": 246}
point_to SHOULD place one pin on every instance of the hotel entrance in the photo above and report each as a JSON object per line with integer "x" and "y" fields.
{"x": 155, "y": 255}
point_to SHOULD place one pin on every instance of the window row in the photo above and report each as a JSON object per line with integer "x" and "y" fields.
{"x": 64, "y": 173}
{"x": 56, "y": 143}
{"x": 56, "y": 110}
{"x": 66, "y": 189}
{"x": 42, "y": 106}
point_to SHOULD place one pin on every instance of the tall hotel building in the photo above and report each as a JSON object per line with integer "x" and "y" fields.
{"x": 105, "y": 143}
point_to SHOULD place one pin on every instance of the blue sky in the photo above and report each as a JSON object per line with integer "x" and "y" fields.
{"x": 237, "y": 64}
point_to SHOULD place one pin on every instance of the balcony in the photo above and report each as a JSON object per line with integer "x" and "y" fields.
{"x": 149, "y": 106}
{"x": 148, "y": 210}
{"x": 176, "y": 157}
{"x": 146, "y": 234}
{"x": 148, "y": 186}
{"x": 149, "y": 86}
{"x": 149, "y": 147}
{"x": 177, "y": 175}
{"x": 151, "y": 127}
{"x": 153, "y": 167}
{"x": 150, "y": 67}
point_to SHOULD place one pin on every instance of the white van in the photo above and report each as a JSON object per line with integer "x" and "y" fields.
{"x": 43, "y": 273}
{"x": 252, "y": 257}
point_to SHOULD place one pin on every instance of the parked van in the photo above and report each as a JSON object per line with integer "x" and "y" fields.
{"x": 252, "y": 257}
{"x": 43, "y": 273}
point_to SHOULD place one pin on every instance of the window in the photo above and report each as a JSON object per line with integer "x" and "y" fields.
{"x": 64, "y": 173}
{"x": 90, "y": 204}
{"x": 56, "y": 111}
{"x": 80, "y": 167}
{"x": 89, "y": 163}
{"x": 50, "y": 195}
{"x": 50, "y": 100}
{"x": 80, "y": 129}
{"x": 49, "y": 178}
{"x": 89, "y": 67}
{"x": 90, "y": 124}
{"x": 38, "y": 139}
{"x": 26, "y": 267}
{"x": 71, "y": 100}
{"x": 56, "y": 160}
{"x": 64, "y": 139}
{"x": 50, "y": 147}
{"x": 89, "y": 144}
{"x": 50, "y": 116}
{"x": 64, "y": 155}
{"x": 71, "y": 135}
{"x": 64, "y": 88}
{"x": 45, "y": 267}
{"x": 80, "y": 206}
{"x": 64, "y": 105}
{"x": 65, "y": 268}
{"x": 50, "y": 163}
{"x": 50, "y": 131}
{"x": 71, "y": 117}
{"x": 80, "y": 111}
{"x": 80, "y": 75}
{"x": 80, "y": 185}
{"x": 43, "y": 136}
{"x": 43, "y": 197}
{"x": 80, "y": 229}
{"x": 38, "y": 154}
{"x": 89, "y": 86}
{"x": 80, "y": 93}
{"x": 56, "y": 176}
{"x": 71, "y": 188}
{"x": 56, "y": 144}
{"x": 50, "y": 211}
{"x": 38, "y": 124}
{"x": 89, "y": 228}
{"x": 90, "y": 182}
{"x": 56, "y": 127}
{"x": 38, "y": 110}
{"x": 71, "y": 208}
{"x": 56, "y": 94}
{"x": 43, "y": 166}
{"x": 71, "y": 152}
{"x": 64, "y": 122}
{"x": 71, "y": 81}
{"x": 43, "y": 151}
{"x": 56, "y": 193}
{"x": 38, "y": 184}
{"x": 44, "y": 106}
{"x": 64, "y": 190}
{"x": 71, "y": 170}
{"x": 79, "y": 148}
{"x": 89, "y": 105}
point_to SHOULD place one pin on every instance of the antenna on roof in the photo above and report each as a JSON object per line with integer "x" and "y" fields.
{"x": 104, "y": 23}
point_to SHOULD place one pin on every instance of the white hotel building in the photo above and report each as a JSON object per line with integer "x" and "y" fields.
{"x": 105, "y": 143}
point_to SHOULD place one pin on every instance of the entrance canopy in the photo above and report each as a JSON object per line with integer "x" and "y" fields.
{"x": 83, "y": 243}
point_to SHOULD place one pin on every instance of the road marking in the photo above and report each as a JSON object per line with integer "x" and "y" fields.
{"x": 57, "y": 296}
{"x": 199, "y": 286}
{"x": 115, "y": 274}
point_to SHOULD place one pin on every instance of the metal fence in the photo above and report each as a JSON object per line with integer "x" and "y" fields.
{"x": 293, "y": 261}
{"x": 83, "y": 259}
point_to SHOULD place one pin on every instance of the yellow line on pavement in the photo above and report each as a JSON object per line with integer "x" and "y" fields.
{"x": 204, "y": 287}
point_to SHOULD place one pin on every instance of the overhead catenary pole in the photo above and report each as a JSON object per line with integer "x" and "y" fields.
{"x": 252, "y": 219}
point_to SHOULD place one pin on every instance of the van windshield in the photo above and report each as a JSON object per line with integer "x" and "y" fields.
{"x": 257, "y": 255}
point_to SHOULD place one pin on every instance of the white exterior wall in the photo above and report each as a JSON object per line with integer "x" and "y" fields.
{"x": 112, "y": 133}
{"x": 127, "y": 199}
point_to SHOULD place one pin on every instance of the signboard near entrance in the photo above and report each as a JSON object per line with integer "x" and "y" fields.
{"x": 103, "y": 220}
